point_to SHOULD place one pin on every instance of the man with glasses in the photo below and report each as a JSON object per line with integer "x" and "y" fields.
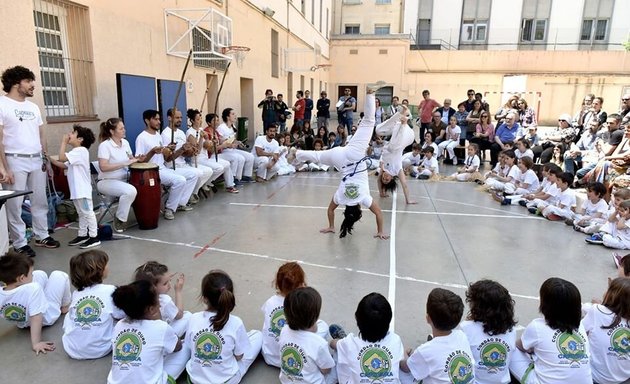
{"x": 437, "y": 127}
{"x": 425, "y": 110}
{"x": 615, "y": 136}
{"x": 470, "y": 102}
{"x": 506, "y": 133}
{"x": 625, "y": 109}
{"x": 446, "y": 111}
{"x": 578, "y": 119}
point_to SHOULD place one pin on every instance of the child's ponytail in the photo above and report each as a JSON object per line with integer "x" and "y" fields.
{"x": 217, "y": 290}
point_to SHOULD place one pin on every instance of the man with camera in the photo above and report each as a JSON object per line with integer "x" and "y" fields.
{"x": 268, "y": 106}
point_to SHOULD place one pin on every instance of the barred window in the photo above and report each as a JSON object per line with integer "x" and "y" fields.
{"x": 64, "y": 46}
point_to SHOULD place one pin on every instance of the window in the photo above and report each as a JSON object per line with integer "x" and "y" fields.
{"x": 321, "y": 10}
{"x": 303, "y": 7}
{"x": 595, "y": 22}
{"x": 352, "y": 29}
{"x": 381, "y": 29}
{"x": 62, "y": 60}
{"x": 383, "y": 1}
{"x": 327, "y": 21}
{"x": 352, "y": 2}
{"x": 275, "y": 54}
{"x": 313, "y": 12}
{"x": 534, "y": 30}
{"x": 475, "y": 16}
{"x": 534, "y": 23}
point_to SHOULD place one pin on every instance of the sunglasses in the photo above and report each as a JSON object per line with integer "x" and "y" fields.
{"x": 562, "y": 120}
{"x": 625, "y": 99}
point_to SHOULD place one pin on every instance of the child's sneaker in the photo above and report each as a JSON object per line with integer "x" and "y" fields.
{"x": 27, "y": 250}
{"x": 595, "y": 238}
{"x": 617, "y": 259}
{"x": 577, "y": 228}
{"x": 506, "y": 201}
{"x": 337, "y": 331}
{"x": 78, "y": 240}
{"x": 90, "y": 243}
{"x": 569, "y": 222}
{"x": 48, "y": 242}
{"x": 522, "y": 203}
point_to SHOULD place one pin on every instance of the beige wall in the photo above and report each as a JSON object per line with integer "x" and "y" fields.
{"x": 367, "y": 14}
{"x": 562, "y": 78}
{"x": 129, "y": 37}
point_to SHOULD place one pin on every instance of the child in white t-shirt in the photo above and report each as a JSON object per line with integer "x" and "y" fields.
{"x": 447, "y": 358}
{"x": 375, "y": 353}
{"x": 593, "y": 210}
{"x": 470, "y": 169}
{"x": 453, "y": 131}
{"x": 489, "y": 328}
{"x": 144, "y": 348}
{"x": 548, "y": 190}
{"x": 221, "y": 349}
{"x": 290, "y": 276}
{"x": 525, "y": 183}
{"x": 564, "y": 206}
{"x": 498, "y": 183}
{"x": 31, "y": 298}
{"x": 284, "y": 167}
{"x": 523, "y": 149}
{"x": 89, "y": 324}
{"x": 304, "y": 355}
{"x": 413, "y": 158}
{"x": 555, "y": 348}
{"x": 500, "y": 169}
{"x": 616, "y": 232}
{"x": 171, "y": 311}
{"x": 77, "y": 161}
{"x": 616, "y": 197}
{"x": 429, "y": 166}
{"x": 608, "y": 328}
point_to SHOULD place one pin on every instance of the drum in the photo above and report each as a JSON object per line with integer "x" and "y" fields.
{"x": 146, "y": 178}
{"x": 60, "y": 179}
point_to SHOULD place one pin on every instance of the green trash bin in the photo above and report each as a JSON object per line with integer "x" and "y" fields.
{"x": 241, "y": 133}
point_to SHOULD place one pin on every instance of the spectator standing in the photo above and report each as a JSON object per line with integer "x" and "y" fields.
{"x": 323, "y": 110}
{"x": 425, "y": 109}
{"x": 268, "y": 106}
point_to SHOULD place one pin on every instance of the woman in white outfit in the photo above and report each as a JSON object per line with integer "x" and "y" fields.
{"x": 114, "y": 158}
{"x": 391, "y": 159}
{"x": 352, "y": 161}
{"x": 244, "y": 160}
{"x": 204, "y": 144}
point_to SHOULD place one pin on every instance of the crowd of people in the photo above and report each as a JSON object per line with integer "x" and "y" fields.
{"x": 153, "y": 339}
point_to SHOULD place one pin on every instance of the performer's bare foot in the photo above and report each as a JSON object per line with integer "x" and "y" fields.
{"x": 327, "y": 230}
{"x": 382, "y": 236}
{"x": 412, "y": 202}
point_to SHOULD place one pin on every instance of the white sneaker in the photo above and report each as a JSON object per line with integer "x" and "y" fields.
{"x": 168, "y": 214}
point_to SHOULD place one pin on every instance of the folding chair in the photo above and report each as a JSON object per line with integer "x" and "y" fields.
{"x": 105, "y": 204}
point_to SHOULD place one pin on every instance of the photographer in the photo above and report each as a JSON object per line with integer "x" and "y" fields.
{"x": 282, "y": 113}
{"x": 268, "y": 105}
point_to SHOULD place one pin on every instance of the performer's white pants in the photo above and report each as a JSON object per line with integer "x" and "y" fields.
{"x": 125, "y": 192}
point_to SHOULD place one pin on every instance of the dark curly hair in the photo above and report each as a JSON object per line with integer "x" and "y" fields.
{"x": 15, "y": 75}
{"x": 491, "y": 304}
{"x": 351, "y": 215}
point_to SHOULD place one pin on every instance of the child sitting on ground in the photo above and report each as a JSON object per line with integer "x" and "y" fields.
{"x": 616, "y": 232}
{"x": 374, "y": 354}
{"x": 290, "y": 276}
{"x": 304, "y": 355}
{"x": 171, "y": 312}
{"x": 525, "y": 183}
{"x": 470, "y": 170}
{"x": 500, "y": 169}
{"x": 564, "y": 206}
{"x": 489, "y": 328}
{"x": 453, "y": 131}
{"x": 617, "y": 196}
{"x": 89, "y": 324}
{"x": 413, "y": 158}
{"x": 593, "y": 209}
{"x": 429, "y": 166}
{"x": 31, "y": 298}
{"x": 498, "y": 183}
{"x": 523, "y": 149}
{"x": 284, "y": 167}
{"x": 447, "y": 357}
{"x": 77, "y": 161}
{"x": 548, "y": 190}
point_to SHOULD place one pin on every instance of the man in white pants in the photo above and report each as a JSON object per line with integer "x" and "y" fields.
{"x": 22, "y": 149}
{"x": 149, "y": 148}
{"x": 354, "y": 189}
{"x": 391, "y": 164}
{"x": 201, "y": 172}
{"x": 232, "y": 153}
{"x": 266, "y": 150}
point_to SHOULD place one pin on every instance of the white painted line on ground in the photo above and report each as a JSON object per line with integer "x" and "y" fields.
{"x": 323, "y": 266}
{"x": 391, "y": 293}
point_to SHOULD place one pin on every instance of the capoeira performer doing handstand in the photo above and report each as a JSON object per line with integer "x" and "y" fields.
{"x": 391, "y": 159}
{"x": 351, "y": 160}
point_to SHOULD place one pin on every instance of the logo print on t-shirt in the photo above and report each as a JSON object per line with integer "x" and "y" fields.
{"x": 493, "y": 356}
{"x": 375, "y": 363}
{"x": 128, "y": 347}
{"x": 571, "y": 347}
{"x": 88, "y": 311}
{"x": 291, "y": 361}
{"x": 14, "y": 312}
{"x": 620, "y": 343}
{"x": 278, "y": 320}
{"x": 460, "y": 369}
{"x": 352, "y": 191}
{"x": 208, "y": 347}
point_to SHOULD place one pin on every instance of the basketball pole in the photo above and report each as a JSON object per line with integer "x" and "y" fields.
{"x": 179, "y": 89}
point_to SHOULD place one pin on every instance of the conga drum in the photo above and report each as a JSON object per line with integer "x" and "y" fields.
{"x": 146, "y": 178}
{"x": 60, "y": 178}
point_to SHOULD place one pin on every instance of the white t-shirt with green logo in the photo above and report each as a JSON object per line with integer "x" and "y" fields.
{"x": 274, "y": 321}
{"x": 610, "y": 347}
{"x": 89, "y": 324}
{"x": 212, "y": 358}
{"x": 354, "y": 190}
{"x": 302, "y": 355}
{"x": 445, "y": 359}
{"x": 492, "y": 353}
{"x": 559, "y": 357}
{"x": 360, "y": 361}
{"x": 19, "y": 304}
{"x": 139, "y": 347}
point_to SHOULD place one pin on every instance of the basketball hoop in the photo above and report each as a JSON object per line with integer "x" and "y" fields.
{"x": 320, "y": 66}
{"x": 237, "y": 52}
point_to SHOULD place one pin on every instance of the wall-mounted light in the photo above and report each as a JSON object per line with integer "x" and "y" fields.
{"x": 268, "y": 11}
